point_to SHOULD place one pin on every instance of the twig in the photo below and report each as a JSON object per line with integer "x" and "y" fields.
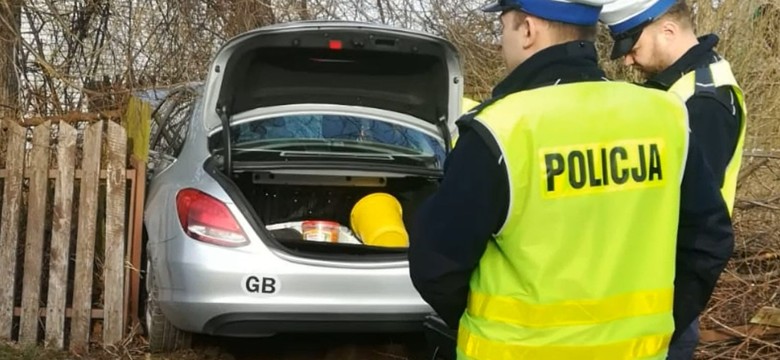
{"x": 752, "y": 278}
{"x": 742, "y": 335}
{"x": 756, "y": 203}
{"x": 751, "y": 169}
{"x": 764, "y": 256}
{"x": 393, "y": 356}
{"x": 765, "y": 155}
{"x": 767, "y": 201}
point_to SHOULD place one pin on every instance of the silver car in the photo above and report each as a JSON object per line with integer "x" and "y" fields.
{"x": 295, "y": 122}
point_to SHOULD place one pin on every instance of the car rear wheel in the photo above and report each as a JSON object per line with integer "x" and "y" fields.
{"x": 162, "y": 335}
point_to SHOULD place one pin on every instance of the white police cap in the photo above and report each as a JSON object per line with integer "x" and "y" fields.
{"x": 627, "y": 18}
{"x": 576, "y": 12}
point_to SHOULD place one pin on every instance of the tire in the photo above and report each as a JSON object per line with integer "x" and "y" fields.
{"x": 162, "y": 335}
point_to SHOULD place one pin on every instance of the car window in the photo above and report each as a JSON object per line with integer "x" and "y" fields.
{"x": 170, "y": 122}
{"x": 385, "y": 137}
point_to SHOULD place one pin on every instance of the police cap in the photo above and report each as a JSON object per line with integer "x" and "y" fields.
{"x": 575, "y": 12}
{"x": 627, "y": 18}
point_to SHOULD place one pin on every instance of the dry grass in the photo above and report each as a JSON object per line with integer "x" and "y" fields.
{"x": 749, "y": 41}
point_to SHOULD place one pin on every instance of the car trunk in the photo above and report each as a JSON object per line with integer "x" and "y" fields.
{"x": 341, "y": 63}
{"x": 337, "y": 63}
{"x": 282, "y": 200}
{"x": 412, "y": 76}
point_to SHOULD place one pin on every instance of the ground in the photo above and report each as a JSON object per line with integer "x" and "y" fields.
{"x": 282, "y": 347}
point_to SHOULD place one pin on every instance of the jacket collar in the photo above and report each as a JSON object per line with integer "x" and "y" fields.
{"x": 564, "y": 63}
{"x": 698, "y": 56}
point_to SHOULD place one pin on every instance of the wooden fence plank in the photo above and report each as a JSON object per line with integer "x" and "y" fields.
{"x": 53, "y": 174}
{"x": 38, "y": 168}
{"x": 95, "y": 313}
{"x": 136, "y": 242}
{"x": 9, "y": 224}
{"x": 72, "y": 117}
{"x": 61, "y": 237}
{"x": 113, "y": 274}
{"x": 85, "y": 240}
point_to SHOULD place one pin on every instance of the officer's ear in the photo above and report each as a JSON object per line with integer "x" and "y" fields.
{"x": 668, "y": 28}
{"x": 526, "y": 26}
{"x": 533, "y": 28}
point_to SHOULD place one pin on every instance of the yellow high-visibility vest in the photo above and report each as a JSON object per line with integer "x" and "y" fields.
{"x": 466, "y": 105}
{"x": 584, "y": 264}
{"x": 708, "y": 79}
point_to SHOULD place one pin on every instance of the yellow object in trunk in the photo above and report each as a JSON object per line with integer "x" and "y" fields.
{"x": 376, "y": 220}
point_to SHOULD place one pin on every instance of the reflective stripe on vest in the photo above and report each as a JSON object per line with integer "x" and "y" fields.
{"x": 708, "y": 79}
{"x": 583, "y": 266}
{"x": 515, "y": 311}
{"x": 645, "y": 348}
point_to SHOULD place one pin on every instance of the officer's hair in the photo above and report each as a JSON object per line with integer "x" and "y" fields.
{"x": 569, "y": 32}
{"x": 565, "y": 32}
{"x": 680, "y": 13}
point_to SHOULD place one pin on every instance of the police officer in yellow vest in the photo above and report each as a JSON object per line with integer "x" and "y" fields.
{"x": 571, "y": 207}
{"x": 657, "y": 37}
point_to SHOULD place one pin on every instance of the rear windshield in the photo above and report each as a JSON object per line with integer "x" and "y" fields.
{"x": 330, "y": 134}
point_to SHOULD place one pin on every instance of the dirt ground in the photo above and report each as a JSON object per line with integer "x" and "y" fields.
{"x": 281, "y": 347}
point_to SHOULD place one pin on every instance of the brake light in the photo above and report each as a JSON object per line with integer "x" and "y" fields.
{"x": 335, "y": 44}
{"x": 207, "y": 219}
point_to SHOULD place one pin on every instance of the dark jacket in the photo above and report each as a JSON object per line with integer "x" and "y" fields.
{"x": 452, "y": 227}
{"x": 714, "y": 117}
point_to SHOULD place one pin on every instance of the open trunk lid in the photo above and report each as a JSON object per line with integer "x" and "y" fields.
{"x": 342, "y": 63}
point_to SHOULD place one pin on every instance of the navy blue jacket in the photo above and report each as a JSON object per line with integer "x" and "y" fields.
{"x": 452, "y": 227}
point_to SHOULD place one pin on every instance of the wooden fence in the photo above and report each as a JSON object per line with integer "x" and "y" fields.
{"x": 70, "y": 222}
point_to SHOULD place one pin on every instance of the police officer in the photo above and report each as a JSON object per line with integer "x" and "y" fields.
{"x": 657, "y": 37}
{"x": 554, "y": 231}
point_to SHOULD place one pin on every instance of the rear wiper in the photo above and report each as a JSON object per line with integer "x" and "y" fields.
{"x": 377, "y": 156}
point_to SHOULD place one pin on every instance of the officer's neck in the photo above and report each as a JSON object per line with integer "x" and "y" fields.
{"x": 544, "y": 42}
{"x": 684, "y": 42}
{"x": 561, "y": 63}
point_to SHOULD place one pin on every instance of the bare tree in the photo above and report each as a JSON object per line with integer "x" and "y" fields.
{"x": 244, "y": 15}
{"x": 10, "y": 29}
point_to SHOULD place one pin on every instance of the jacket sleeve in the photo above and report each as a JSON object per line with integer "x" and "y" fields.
{"x": 715, "y": 123}
{"x": 705, "y": 240}
{"x": 452, "y": 227}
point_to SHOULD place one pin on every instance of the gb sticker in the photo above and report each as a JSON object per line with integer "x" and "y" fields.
{"x": 256, "y": 284}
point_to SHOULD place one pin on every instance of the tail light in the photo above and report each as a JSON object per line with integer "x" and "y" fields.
{"x": 207, "y": 219}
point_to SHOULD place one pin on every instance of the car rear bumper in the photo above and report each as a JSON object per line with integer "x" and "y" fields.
{"x": 244, "y": 294}
{"x": 258, "y": 324}
{"x": 247, "y": 318}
